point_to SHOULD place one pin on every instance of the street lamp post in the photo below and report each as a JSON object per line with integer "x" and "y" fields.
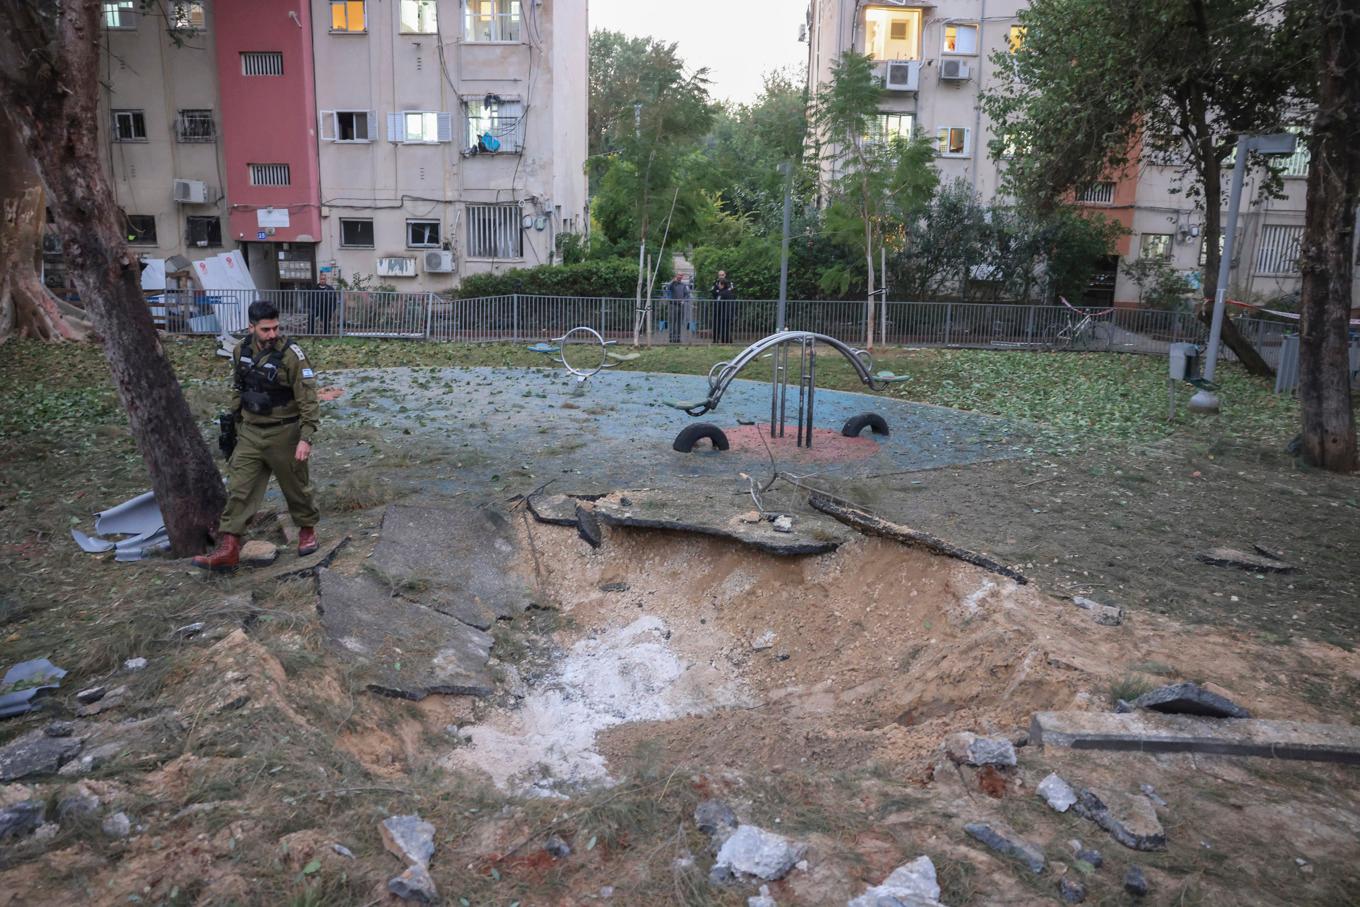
{"x": 1206, "y": 400}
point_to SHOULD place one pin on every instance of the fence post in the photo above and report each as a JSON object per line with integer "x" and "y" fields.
{"x": 429, "y": 314}
{"x": 1029, "y": 327}
{"x": 514, "y": 318}
{"x": 341, "y": 326}
{"x": 948, "y": 318}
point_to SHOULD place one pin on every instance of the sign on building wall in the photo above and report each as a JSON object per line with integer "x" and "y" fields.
{"x": 272, "y": 217}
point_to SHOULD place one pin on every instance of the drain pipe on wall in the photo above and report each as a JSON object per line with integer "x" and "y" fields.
{"x": 977, "y": 101}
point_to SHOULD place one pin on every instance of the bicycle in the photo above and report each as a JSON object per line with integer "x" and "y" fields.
{"x": 1080, "y": 330}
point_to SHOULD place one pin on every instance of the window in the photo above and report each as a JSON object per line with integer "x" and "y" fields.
{"x": 1278, "y": 252}
{"x": 418, "y": 17}
{"x": 494, "y": 231}
{"x": 347, "y": 125}
{"x": 960, "y": 39}
{"x": 129, "y": 126}
{"x": 491, "y": 20}
{"x": 141, "y": 229}
{"x": 1016, "y": 39}
{"x": 120, "y": 13}
{"x": 422, "y": 234}
{"x": 270, "y": 175}
{"x": 494, "y": 125}
{"x": 195, "y": 126}
{"x": 419, "y": 126}
{"x": 186, "y": 15}
{"x": 892, "y": 34}
{"x": 356, "y": 234}
{"x": 1156, "y": 245}
{"x": 262, "y": 63}
{"x": 1101, "y": 193}
{"x": 203, "y": 231}
{"x": 887, "y": 126}
{"x": 952, "y": 141}
{"x": 348, "y": 16}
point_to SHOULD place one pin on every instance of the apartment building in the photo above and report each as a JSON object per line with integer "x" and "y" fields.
{"x": 398, "y": 142}
{"x": 934, "y": 60}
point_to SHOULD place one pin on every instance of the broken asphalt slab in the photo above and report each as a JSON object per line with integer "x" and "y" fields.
{"x": 1242, "y": 560}
{"x": 403, "y": 649}
{"x": 36, "y": 753}
{"x": 710, "y": 512}
{"x": 1189, "y": 699}
{"x": 1150, "y": 732}
{"x": 456, "y": 557}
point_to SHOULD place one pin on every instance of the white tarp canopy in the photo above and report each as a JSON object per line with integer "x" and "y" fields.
{"x": 153, "y": 275}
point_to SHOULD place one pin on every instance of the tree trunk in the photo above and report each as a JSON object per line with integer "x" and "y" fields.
{"x": 1213, "y": 226}
{"x": 27, "y": 309}
{"x": 49, "y": 60}
{"x": 1325, "y": 256}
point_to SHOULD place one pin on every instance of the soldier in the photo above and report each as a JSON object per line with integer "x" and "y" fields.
{"x": 275, "y": 404}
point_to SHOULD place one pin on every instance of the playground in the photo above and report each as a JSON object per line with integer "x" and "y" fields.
{"x": 470, "y": 655}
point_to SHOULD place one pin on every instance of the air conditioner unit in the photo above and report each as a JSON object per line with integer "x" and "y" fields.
{"x": 190, "y": 192}
{"x": 953, "y": 70}
{"x": 438, "y": 262}
{"x": 396, "y": 267}
{"x": 901, "y": 76}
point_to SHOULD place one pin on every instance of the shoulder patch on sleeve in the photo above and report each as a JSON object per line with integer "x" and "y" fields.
{"x": 307, "y": 374}
{"x": 297, "y": 351}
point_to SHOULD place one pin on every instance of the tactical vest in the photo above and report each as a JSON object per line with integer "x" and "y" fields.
{"x": 258, "y": 380}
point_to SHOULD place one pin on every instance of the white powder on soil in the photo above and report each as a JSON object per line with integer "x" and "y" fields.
{"x": 622, "y": 675}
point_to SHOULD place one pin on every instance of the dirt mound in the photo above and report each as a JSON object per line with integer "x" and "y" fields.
{"x": 875, "y": 652}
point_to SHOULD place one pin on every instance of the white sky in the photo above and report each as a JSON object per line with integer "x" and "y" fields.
{"x": 738, "y": 40}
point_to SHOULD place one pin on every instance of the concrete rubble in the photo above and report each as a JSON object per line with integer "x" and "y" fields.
{"x": 1242, "y": 560}
{"x": 1057, "y": 792}
{"x": 967, "y": 748}
{"x": 411, "y": 840}
{"x": 912, "y": 884}
{"x": 1151, "y": 732}
{"x": 753, "y": 851}
{"x": 1105, "y": 615}
{"x": 1007, "y": 843}
{"x": 36, "y": 753}
{"x": 1130, "y": 819}
{"x": 1189, "y": 699}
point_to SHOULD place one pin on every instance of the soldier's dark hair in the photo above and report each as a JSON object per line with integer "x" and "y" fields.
{"x": 263, "y": 310}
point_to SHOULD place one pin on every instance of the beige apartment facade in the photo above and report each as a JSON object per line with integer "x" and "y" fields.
{"x": 159, "y": 123}
{"x": 935, "y": 59}
{"x": 452, "y": 136}
{"x": 397, "y": 142}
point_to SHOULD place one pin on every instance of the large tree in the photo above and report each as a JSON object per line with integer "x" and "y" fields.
{"x": 1327, "y": 253}
{"x": 1098, "y": 84}
{"x": 27, "y": 308}
{"x": 882, "y": 183}
{"x": 49, "y": 65}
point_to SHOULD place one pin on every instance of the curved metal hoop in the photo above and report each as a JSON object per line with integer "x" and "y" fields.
{"x": 584, "y": 373}
{"x": 722, "y": 374}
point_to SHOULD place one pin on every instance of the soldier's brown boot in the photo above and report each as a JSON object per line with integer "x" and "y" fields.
{"x": 307, "y": 542}
{"x": 226, "y": 556}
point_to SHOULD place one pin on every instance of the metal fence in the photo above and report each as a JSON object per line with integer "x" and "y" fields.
{"x": 519, "y": 318}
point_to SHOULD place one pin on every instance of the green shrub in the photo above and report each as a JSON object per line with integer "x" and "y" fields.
{"x": 606, "y": 277}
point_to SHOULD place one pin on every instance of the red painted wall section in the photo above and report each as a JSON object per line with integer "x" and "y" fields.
{"x": 269, "y": 119}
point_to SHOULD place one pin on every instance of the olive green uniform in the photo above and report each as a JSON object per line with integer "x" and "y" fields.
{"x": 267, "y": 442}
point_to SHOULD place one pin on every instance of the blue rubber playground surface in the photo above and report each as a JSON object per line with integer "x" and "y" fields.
{"x": 513, "y": 427}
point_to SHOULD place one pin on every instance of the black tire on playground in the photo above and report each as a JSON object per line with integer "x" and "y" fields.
{"x": 691, "y": 434}
{"x": 855, "y": 425}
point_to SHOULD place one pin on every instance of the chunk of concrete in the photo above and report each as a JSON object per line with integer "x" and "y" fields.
{"x": 554, "y": 509}
{"x": 402, "y": 649}
{"x": 259, "y": 553}
{"x": 1130, "y": 819}
{"x": 967, "y": 748}
{"x": 409, "y": 838}
{"x": 1189, "y": 699}
{"x": 714, "y": 817}
{"x": 1152, "y": 732}
{"x": 1057, "y": 792}
{"x": 588, "y": 527}
{"x": 1007, "y": 843}
{"x": 1106, "y": 615}
{"x": 452, "y": 557}
{"x": 1135, "y": 881}
{"x": 1242, "y": 560}
{"x": 753, "y": 851}
{"x": 707, "y": 512}
{"x": 22, "y": 818}
{"x": 912, "y": 884}
{"x": 35, "y": 753}
{"x": 414, "y": 884}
